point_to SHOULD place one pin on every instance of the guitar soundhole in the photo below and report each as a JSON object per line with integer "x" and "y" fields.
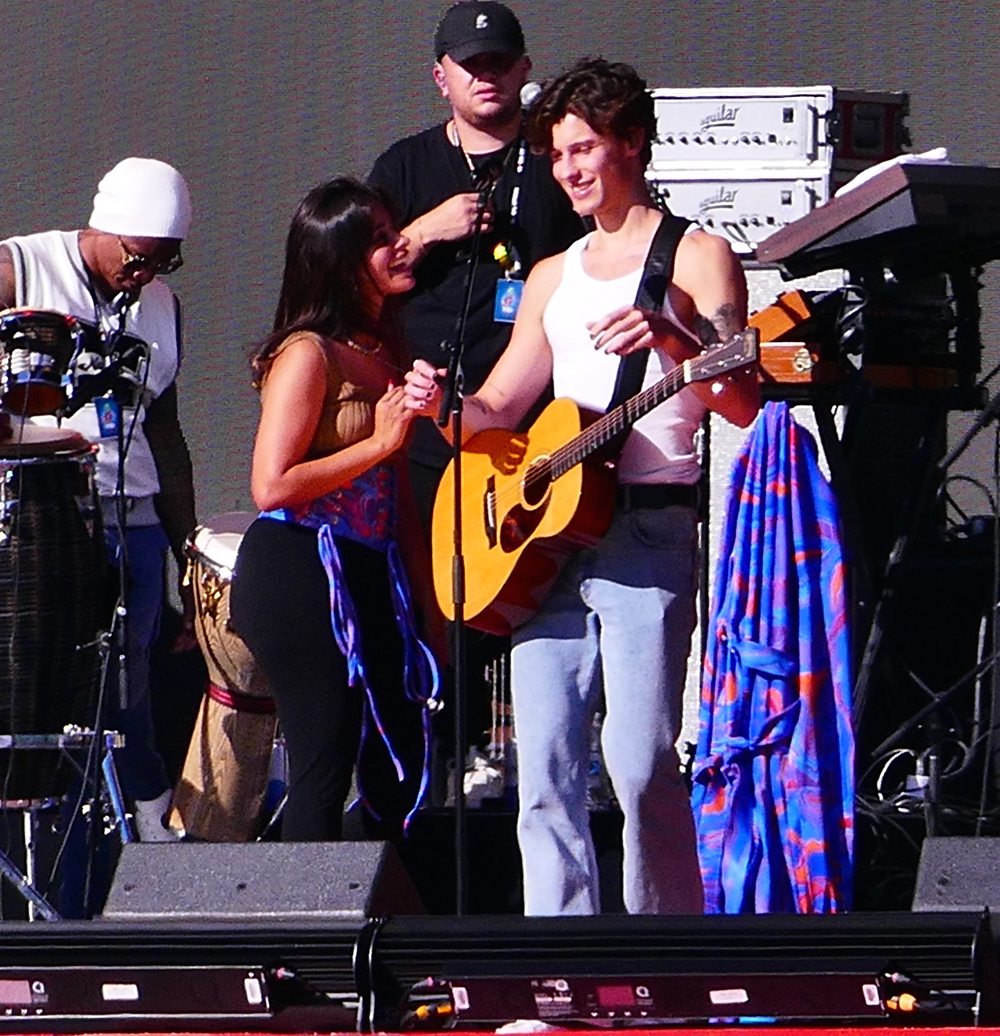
{"x": 537, "y": 480}
{"x": 518, "y": 526}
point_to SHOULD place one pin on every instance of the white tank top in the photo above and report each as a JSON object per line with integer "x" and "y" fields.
{"x": 661, "y": 445}
{"x": 49, "y": 274}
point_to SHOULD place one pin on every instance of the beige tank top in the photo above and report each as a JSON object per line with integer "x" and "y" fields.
{"x": 348, "y": 410}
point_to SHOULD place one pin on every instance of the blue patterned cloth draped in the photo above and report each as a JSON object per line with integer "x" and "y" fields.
{"x": 774, "y": 770}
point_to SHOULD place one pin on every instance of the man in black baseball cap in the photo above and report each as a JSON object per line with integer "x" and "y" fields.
{"x": 441, "y": 179}
{"x": 478, "y": 27}
{"x": 480, "y": 69}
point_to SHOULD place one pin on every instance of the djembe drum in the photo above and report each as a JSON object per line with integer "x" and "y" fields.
{"x": 220, "y": 794}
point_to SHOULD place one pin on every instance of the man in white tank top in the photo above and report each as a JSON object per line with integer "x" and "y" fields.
{"x": 106, "y": 275}
{"x": 618, "y": 621}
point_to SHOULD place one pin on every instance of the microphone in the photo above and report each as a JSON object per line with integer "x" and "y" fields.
{"x": 91, "y": 386}
{"x": 120, "y": 304}
{"x": 123, "y": 300}
{"x": 530, "y": 93}
{"x": 486, "y": 180}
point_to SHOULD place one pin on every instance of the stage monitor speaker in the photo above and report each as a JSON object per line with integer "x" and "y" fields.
{"x": 260, "y": 880}
{"x": 958, "y": 873}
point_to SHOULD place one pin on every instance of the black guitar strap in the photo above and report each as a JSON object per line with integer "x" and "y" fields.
{"x": 656, "y": 275}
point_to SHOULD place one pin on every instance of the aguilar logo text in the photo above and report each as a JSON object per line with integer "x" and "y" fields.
{"x": 722, "y": 199}
{"x": 725, "y": 116}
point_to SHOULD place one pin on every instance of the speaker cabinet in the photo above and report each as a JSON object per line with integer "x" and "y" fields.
{"x": 262, "y": 880}
{"x": 958, "y": 873}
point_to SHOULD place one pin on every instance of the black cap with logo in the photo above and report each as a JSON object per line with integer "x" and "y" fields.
{"x": 478, "y": 27}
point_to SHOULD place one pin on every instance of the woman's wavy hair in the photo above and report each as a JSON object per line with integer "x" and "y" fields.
{"x": 611, "y": 97}
{"x": 326, "y": 267}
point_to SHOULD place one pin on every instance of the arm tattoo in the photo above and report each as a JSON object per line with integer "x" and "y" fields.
{"x": 476, "y": 404}
{"x": 705, "y": 330}
{"x": 723, "y": 325}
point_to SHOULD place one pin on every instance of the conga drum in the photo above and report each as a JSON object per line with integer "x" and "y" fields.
{"x": 220, "y": 794}
{"x": 36, "y": 349}
{"x": 51, "y": 568}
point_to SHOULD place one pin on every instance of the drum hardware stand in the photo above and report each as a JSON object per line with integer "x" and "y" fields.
{"x": 99, "y": 806}
{"x": 114, "y": 790}
{"x": 112, "y": 739}
{"x": 72, "y": 737}
{"x": 38, "y": 905}
{"x": 116, "y": 815}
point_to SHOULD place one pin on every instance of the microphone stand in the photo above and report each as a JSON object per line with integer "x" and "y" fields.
{"x": 985, "y": 416}
{"x": 451, "y": 409}
{"x": 116, "y": 640}
{"x": 120, "y": 395}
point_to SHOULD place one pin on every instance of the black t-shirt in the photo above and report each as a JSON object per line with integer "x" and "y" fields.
{"x": 422, "y": 171}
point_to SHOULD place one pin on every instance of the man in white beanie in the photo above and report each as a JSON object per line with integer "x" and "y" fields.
{"x": 108, "y": 277}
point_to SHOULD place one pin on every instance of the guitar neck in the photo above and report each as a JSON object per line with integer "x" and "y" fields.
{"x": 614, "y": 422}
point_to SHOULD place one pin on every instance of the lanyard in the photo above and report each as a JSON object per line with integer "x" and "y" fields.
{"x": 522, "y": 154}
{"x": 105, "y": 313}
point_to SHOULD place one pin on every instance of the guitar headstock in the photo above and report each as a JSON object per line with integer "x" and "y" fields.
{"x": 739, "y": 351}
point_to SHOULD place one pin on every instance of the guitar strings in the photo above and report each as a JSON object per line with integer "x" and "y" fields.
{"x": 591, "y": 438}
{"x": 570, "y": 454}
{"x": 606, "y": 427}
{"x": 612, "y": 423}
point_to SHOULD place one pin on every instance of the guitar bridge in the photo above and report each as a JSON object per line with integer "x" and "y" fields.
{"x": 490, "y": 510}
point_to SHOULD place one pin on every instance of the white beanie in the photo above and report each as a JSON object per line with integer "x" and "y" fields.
{"x": 143, "y": 197}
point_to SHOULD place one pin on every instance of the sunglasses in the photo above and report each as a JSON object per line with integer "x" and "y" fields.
{"x": 134, "y": 263}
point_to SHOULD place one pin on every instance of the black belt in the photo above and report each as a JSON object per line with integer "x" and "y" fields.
{"x": 637, "y": 496}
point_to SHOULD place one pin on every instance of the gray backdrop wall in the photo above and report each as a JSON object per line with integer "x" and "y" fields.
{"x": 257, "y": 101}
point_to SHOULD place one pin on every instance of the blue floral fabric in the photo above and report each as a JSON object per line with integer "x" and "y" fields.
{"x": 774, "y": 769}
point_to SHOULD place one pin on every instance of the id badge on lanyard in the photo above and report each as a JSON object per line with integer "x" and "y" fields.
{"x": 508, "y": 298}
{"x": 109, "y": 417}
{"x": 510, "y": 287}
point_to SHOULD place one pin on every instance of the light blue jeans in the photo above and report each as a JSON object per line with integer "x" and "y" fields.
{"x": 620, "y": 620}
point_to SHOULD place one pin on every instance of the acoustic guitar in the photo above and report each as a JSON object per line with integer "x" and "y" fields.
{"x": 529, "y": 501}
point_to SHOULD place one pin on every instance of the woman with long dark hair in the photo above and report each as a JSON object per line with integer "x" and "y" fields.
{"x": 319, "y": 594}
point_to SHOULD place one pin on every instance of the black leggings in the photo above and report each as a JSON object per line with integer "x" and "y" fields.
{"x": 280, "y": 607}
